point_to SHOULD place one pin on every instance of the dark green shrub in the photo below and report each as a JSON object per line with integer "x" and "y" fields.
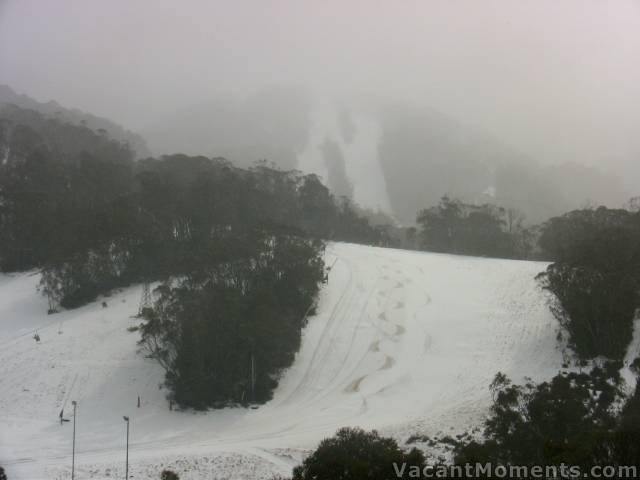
{"x": 223, "y": 333}
{"x": 571, "y": 419}
{"x": 354, "y": 454}
{"x": 595, "y": 278}
{"x": 169, "y": 475}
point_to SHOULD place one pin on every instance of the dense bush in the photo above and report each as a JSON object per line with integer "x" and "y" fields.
{"x": 74, "y": 204}
{"x": 486, "y": 230}
{"x": 595, "y": 277}
{"x": 62, "y": 190}
{"x": 353, "y": 454}
{"x": 223, "y": 332}
{"x": 572, "y": 419}
{"x": 596, "y": 308}
{"x": 169, "y": 475}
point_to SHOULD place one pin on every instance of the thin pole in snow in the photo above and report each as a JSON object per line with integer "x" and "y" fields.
{"x": 253, "y": 380}
{"x": 126, "y": 468}
{"x": 73, "y": 448}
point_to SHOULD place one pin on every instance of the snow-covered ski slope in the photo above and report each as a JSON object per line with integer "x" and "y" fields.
{"x": 403, "y": 342}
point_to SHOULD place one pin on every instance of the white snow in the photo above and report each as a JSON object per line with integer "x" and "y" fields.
{"x": 360, "y": 153}
{"x": 404, "y": 342}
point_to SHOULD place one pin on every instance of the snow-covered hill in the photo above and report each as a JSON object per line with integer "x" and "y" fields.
{"x": 403, "y": 342}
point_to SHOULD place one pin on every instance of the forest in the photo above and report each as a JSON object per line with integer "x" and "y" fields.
{"x": 237, "y": 257}
{"x": 238, "y": 252}
{"x": 454, "y": 226}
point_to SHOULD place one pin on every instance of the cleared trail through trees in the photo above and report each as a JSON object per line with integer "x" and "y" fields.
{"x": 404, "y": 342}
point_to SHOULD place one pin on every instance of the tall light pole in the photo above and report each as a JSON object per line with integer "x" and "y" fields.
{"x": 73, "y": 448}
{"x": 126, "y": 469}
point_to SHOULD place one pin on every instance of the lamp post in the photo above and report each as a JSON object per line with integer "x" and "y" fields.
{"x": 73, "y": 448}
{"x": 126, "y": 470}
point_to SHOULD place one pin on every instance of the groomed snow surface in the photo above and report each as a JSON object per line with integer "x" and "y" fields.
{"x": 403, "y": 342}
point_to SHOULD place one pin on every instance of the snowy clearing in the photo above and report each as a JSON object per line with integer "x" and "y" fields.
{"x": 404, "y": 342}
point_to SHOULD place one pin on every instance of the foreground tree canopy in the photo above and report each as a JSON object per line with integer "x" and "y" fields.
{"x": 574, "y": 419}
{"x": 354, "y": 454}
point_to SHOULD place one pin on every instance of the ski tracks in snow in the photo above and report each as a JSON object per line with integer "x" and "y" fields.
{"x": 402, "y": 342}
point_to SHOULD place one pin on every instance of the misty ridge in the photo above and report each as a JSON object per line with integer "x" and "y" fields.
{"x": 387, "y": 156}
{"x": 392, "y": 156}
{"x": 531, "y": 107}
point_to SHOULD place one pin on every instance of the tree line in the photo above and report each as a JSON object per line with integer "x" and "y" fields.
{"x": 595, "y": 271}
{"x": 238, "y": 252}
{"x": 454, "y": 226}
{"x": 75, "y": 204}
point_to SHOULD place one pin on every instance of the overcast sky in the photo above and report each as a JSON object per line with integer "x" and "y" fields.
{"x": 559, "y": 79}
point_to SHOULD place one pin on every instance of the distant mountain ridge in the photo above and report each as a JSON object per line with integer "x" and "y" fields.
{"x": 425, "y": 154}
{"x": 53, "y": 109}
{"x": 396, "y": 157}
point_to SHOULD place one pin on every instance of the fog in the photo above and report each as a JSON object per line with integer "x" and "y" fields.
{"x": 483, "y": 83}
